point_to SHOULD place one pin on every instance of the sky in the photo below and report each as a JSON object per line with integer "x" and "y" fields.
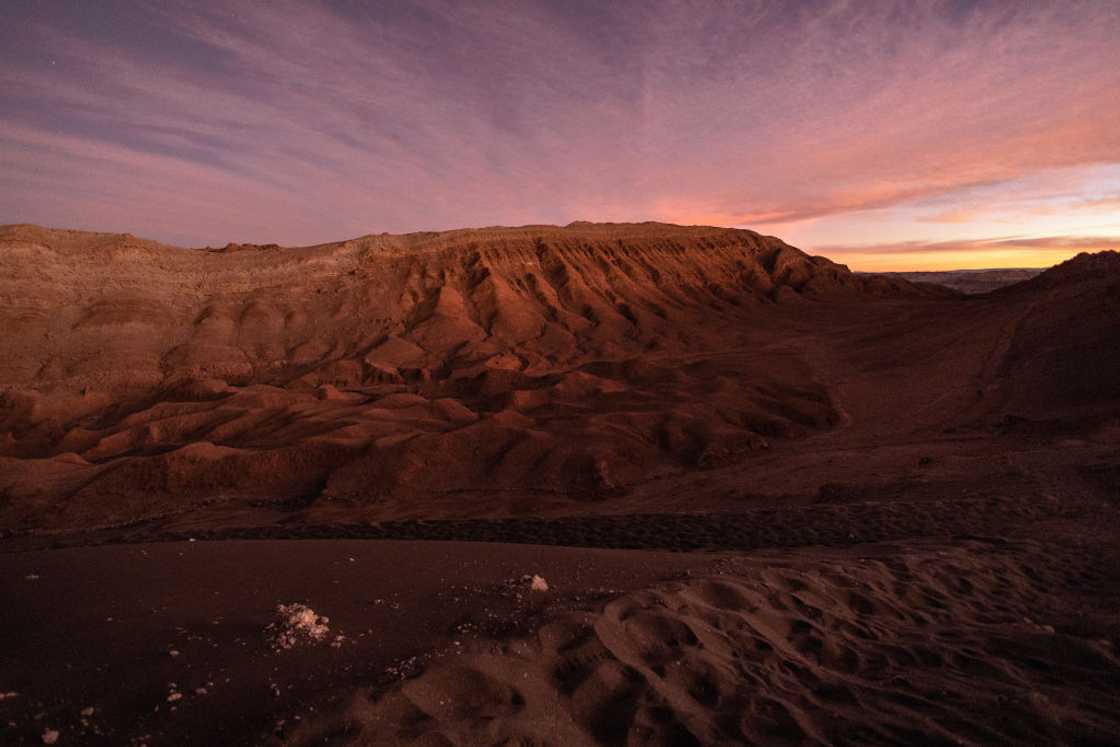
{"x": 886, "y": 135}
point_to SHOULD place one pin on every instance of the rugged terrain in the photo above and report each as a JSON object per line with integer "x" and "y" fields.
{"x": 906, "y": 496}
{"x": 541, "y": 367}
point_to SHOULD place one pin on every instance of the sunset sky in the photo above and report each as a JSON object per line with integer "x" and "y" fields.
{"x": 887, "y": 135}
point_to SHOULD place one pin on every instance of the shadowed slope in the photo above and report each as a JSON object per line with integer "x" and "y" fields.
{"x": 1065, "y": 352}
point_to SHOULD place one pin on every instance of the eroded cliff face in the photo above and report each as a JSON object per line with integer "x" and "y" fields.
{"x": 109, "y": 312}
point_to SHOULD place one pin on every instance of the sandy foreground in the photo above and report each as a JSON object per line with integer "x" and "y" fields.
{"x": 950, "y": 639}
{"x": 113, "y": 627}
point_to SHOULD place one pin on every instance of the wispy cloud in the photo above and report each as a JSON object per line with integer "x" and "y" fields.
{"x": 1012, "y": 251}
{"x": 304, "y": 121}
{"x": 1060, "y": 244}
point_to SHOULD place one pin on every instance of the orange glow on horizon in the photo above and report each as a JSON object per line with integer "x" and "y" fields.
{"x": 933, "y": 261}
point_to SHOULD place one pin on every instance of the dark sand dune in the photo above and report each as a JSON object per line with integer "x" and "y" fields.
{"x": 907, "y": 496}
{"x": 973, "y": 642}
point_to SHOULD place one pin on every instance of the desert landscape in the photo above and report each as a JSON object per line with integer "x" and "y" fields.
{"x": 790, "y": 503}
{"x": 525, "y": 373}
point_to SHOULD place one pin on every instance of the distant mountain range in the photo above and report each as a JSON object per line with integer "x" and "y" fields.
{"x": 970, "y": 281}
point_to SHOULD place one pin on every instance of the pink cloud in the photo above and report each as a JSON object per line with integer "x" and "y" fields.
{"x": 1060, "y": 244}
{"x": 296, "y": 122}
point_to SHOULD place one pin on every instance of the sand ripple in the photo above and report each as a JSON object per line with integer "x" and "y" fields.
{"x": 927, "y": 644}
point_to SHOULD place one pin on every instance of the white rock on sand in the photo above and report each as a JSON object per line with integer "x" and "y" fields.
{"x": 298, "y": 624}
